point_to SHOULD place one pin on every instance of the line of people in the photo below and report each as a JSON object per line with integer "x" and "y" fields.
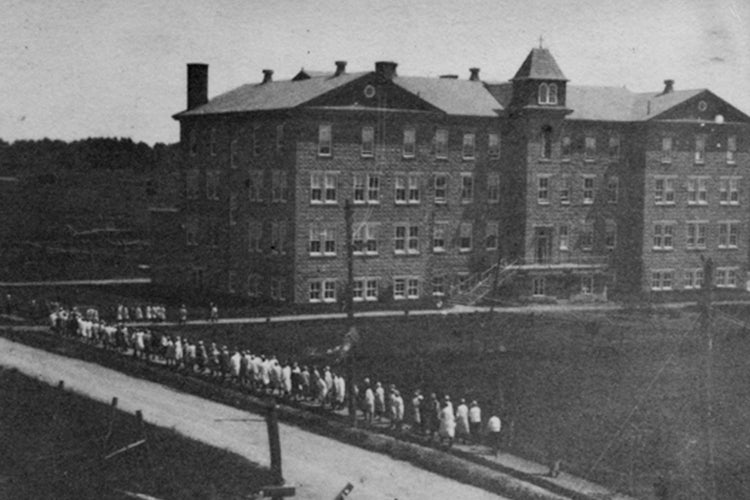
{"x": 431, "y": 417}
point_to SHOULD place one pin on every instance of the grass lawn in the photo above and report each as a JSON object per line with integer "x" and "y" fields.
{"x": 51, "y": 442}
{"x": 620, "y": 397}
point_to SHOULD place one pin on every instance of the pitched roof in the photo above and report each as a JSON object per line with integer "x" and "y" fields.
{"x": 539, "y": 64}
{"x": 620, "y": 104}
{"x": 649, "y": 104}
{"x": 453, "y": 96}
{"x": 272, "y": 95}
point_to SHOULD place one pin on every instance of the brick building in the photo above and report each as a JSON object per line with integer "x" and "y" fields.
{"x": 540, "y": 186}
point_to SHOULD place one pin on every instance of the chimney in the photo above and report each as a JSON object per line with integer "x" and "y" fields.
{"x": 386, "y": 69}
{"x": 474, "y": 74}
{"x": 449, "y": 77}
{"x": 340, "y": 68}
{"x": 197, "y": 85}
{"x": 668, "y": 86}
{"x": 267, "y": 75}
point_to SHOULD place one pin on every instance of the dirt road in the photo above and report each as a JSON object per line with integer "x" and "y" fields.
{"x": 319, "y": 467}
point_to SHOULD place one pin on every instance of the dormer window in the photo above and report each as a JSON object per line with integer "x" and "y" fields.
{"x": 548, "y": 93}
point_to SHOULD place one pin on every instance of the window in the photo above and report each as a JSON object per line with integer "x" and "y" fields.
{"x": 279, "y": 186}
{"x": 371, "y": 289}
{"x": 324, "y": 140}
{"x": 212, "y": 185}
{"x": 191, "y": 234}
{"x": 316, "y": 187}
{"x": 696, "y": 190}
{"x": 322, "y": 241}
{"x": 279, "y": 137}
{"x": 493, "y": 188}
{"x": 255, "y": 185}
{"x": 467, "y": 188}
{"x": 212, "y": 142}
{"x": 441, "y": 143}
{"x": 234, "y": 153}
{"x": 587, "y": 284}
{"x": 564, "y": 238}
{"x": 441, "y": 188}
{"x": 331, "y": 182}
{"x": 614, "y": 146}
{"x": 233, "y": 209}
{"x": 612, "y": 188}
{"x": 493, "y": 146}
{"x": 565, "y": 148}
{"x": 662, "y": 279}
{"x": 255, "y": 141}
{"x": 438, "y": 286}
{"x": 732, "y": 149}
{"x": 438, "y": 237}
{"x": 277, "y": 288}
{"x": 193, "y": 143}
{"x": 322, "y": 291}
{"x": 663, "y": 236}
{"x": 547, "y": 93}
{"x": 491, "y": 235}
{"x": 231, "y": 281}
{"x": 729, "y": 234}
{"x": 413, "y": 189}
{"x": 358, "y": 289}
{"x": 413, "y": 241}
{"x": 729, "y": 193}
{"x": 565, "y": 189}
{"x": 405, "y": 288}
{"x": 666, "y": 149}
{"x": 366, "y": 188}
{"x": 278, "y": 237}
{"x": 315, "y": 291}
{"x": 538, "y": 286}
{"x": 610, "y": 234}
{"x": 399, "y": 184}
{"x": 464, "y": 237}
{"x": 700, "y": 148}
{"x": 552, "y": 95}
{"x": 546, "y": 143}
{"x": 693, "y": 279}
{"x": 368, "y": 142}
{"x": 255, "y": 236}
{"x": 410, "y": 142}
{"x": 406, "y": 239}
{"x": 365, "y": 238}
{"x": 192, "y": 184}
{"x": 696, "y": 235}
{"x": 542, "y": 192}
{"x": 664, "y": 190}
{"x": 253, "y": 285}
{"x": 726, "y": 277}
{"x": 589, "y": 151}
{"x": 587, "y": 236}
{"x": 588, "y": 189}
{"x": 468, "y": 148}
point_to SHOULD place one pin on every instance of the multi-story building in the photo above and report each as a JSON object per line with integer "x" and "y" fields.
{"x": 565, "y": 189}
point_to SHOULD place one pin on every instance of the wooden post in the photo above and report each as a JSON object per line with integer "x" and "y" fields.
{"x": 350, "y": 362}
{"x": 708, "y": 268}
{"x": 274, "y": 445}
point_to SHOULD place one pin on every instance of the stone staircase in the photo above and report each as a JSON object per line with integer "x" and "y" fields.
{"x": 474, "y": 288}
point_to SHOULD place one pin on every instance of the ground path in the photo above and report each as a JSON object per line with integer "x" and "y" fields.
{"x": 319, "y": 467}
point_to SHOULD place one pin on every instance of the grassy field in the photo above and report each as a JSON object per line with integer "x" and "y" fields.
{"x": 51, "y": 441}
{"x": 619, "y": 397}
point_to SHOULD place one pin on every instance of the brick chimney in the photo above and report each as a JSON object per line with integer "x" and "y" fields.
{"x": 474, "y": 74}
{"x": 386, "y": 69}
{"x": 340, "y": 68}
{"x": 267, "y": 75}
{"x": 668, "y": 86}
{"x": 197, "y": 85}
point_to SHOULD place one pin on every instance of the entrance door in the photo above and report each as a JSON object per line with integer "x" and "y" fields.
{"x": 543, "y": 247}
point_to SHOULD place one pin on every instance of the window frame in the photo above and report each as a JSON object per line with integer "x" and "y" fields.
{"x": 696, "y": 234}
{"x": 469, "y": 146}
{"x": 493, "y": 188}
{"x": 367, "y": 148}
{"x": 440, "y": 199}
{"x": 325, "y": 140}
{"x": 542, "y": 189}
{"x": 589, "y": 192}
{"x": 409, "y": 147}
{"x": 663, "y": 237}
{"x": 441, "y": 143}
{"x": 465, "y": 237}
{"x": 467, "y": 188}
{"x": 493, "y": 145}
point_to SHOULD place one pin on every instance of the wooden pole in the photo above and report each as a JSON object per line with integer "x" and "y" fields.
{"x": 274, "y": 445}
{"x": 350, "y": 362}
{"x": 708, "y": 332}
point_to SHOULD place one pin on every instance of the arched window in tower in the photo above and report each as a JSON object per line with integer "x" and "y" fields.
{"x": 543, "y": 93}
{"x": 552, "y": 95}
{"x": 546, "y": 140}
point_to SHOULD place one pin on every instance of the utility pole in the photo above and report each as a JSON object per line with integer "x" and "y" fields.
{"x": 350, "y": 362}
{"x": 706, "y": 297}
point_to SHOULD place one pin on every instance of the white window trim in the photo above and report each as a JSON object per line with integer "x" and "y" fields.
{"x": 584, "y": 199}
{"x": 660, "y": 287}
{"x": 539, "y": 179}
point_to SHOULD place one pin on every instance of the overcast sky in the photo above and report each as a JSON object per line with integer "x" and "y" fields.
{"x": 79, "y": 68}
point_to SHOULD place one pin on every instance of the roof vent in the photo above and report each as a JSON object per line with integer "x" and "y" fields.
{"x": 267, "y": 75}
{"x": 340, "y": 68}
{"x": 474, "y": 74}
{"x": 668, "y": 86}
{"x": 386, "y": 69}
{"x": 449, "y": 77}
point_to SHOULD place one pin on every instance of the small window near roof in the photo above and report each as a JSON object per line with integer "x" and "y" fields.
{"x": 410, "y": 142}
{"x": 543, "y": 93}
{"x": 468, "y": 146}
{"x": 324, "y": 140}
{"x": 368, "y": 141}
{"x": 552, "y": 95}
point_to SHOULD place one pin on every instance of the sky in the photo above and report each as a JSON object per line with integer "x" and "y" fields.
{"x": 72, "y": 69}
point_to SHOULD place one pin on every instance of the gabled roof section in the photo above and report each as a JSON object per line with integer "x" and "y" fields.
{"x": 452, "y": 96}
{"x": 306, "y": 74}
{"x": 539, "y": 65}
{"x": 648, "y": 105}
{"x": 271, "y": 95}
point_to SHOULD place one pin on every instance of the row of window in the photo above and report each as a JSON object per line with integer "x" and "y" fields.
{"x": 696, "y": 188}
{"x": 409, "y": 143}
{"x": 564, "y": 189}
{"x": 696, "y": 235}
{"x": 665, "y": 279}
{"x": 235, "y": 150}
{"x": 699, "y": 149}
{"x": 368, "y": 289}
{"x": 566, "y": 146}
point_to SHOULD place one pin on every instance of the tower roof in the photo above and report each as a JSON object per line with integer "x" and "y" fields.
{"x": 539, "y": 65}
